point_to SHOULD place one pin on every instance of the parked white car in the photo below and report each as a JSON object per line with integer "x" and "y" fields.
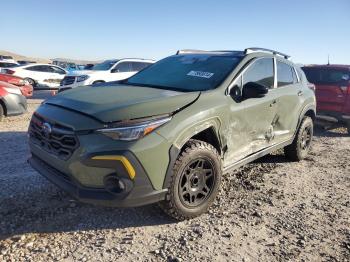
{"x": 41, "y": 75}
{"x": 4, "y": 65}
{"x": 7, "y": 58}
{"x": 107, "y": 71}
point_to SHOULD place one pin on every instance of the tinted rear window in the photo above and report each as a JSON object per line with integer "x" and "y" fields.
{"x": 187, "y": 72}
{"x": 326, "y": 75}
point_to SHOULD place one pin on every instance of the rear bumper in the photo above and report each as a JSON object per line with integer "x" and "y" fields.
{"x": 15, "y": 104}
{"x": 333, "y": 116}
{"x": 137, "y": 192}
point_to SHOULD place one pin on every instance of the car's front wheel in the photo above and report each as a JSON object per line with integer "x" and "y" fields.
{"x": 195, "y": 181}
{"x": 301, "y": 145}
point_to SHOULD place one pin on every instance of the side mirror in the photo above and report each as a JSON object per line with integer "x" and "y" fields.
{"x": 236, "y": 94}
{"x": 115, "y": 70}
{"x": 254, "y": 90}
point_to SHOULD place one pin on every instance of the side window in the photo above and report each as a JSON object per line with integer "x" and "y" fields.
{"x": 32, "y": 68}
{"x": 57, "y": 70}
{"x": 123, "y": 67}
{"x": 138, "y": 66}
{"x": 261, "y": 72}
{"x": 284, "y": 74}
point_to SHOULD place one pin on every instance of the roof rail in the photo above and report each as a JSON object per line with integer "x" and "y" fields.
{"x": 190, "y": 51}
{"x": 194, "y": 51}
{"x": 265, "y": 50}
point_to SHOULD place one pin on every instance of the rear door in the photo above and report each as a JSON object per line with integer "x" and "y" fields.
{"x": 331, "y": 87}
{"x": 290, "y": 91}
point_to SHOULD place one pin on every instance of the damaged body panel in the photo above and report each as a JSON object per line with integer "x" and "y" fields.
{"x": 123, "y": 144}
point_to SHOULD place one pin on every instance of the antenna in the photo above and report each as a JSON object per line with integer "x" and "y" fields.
{"x": 328, "y": 60}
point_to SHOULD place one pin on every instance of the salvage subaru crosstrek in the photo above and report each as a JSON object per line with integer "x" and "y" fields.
{"x": 169, "y": 133}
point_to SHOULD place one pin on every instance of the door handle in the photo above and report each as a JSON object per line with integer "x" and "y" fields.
{"x": 273, "y": 103}
{"x": 300, "y": 93}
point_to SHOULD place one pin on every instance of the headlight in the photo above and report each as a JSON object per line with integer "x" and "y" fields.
{"x": 11, "y": 90}
{"x": 134, "y": 131}
{"x": 82, "y": 78}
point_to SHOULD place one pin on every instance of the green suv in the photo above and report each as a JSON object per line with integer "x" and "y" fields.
{"x": 169, "y": 133}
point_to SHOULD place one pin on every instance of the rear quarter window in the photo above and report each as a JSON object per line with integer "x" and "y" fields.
{"x": 284, "y": 74}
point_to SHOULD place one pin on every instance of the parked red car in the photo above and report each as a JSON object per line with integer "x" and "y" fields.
{"x": 12, "y": 102}
{"x": 25, "y": 87}
{"x": 332, "y": 84}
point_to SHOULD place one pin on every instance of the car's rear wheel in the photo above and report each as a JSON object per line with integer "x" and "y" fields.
{"x": 195, "y": 182}
{"x": 31, "y": 82}
{"x": 301, "y": 145}
{"x": 98, "y": 82}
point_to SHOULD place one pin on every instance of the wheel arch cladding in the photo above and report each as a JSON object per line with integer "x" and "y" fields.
{"x": 209, "y": 136}
{"x": 311, "y": 113}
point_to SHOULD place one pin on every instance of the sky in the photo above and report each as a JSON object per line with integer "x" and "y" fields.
{"x": 308, "y": 30}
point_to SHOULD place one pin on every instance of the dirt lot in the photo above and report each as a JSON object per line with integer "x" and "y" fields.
{"x": 271, "y": 210}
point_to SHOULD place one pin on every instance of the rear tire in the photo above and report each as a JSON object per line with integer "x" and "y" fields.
{"x": 301, "y": 145}
{"x": 31, "y": 82}
{"x": 195, "y": 181}
{"x": 98, "y": 82}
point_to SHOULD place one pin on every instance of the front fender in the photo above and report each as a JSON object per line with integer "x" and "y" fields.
{"x": 196, "y": 128}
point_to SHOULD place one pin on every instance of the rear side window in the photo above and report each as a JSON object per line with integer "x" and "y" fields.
{"x": 284, "y": 74}
{"x": 123, "y": 67}
{"x": 138, "y": 66}
{"x": 261, "y": 72}
{"x": 326, "y": 75}
{"x": 37, "y": 68}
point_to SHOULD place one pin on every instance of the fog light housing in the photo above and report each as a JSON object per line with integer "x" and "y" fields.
{"x": 114, "y": 185}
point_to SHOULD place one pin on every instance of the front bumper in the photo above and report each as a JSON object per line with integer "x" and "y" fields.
{"x": 137, "y": 191}
{"x": 15, "y": 104}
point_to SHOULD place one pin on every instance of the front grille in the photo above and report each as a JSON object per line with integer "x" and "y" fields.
{"x": 55, "y": 139}
{"x": 52, "y": 170}
{"x": 68, "y": 80}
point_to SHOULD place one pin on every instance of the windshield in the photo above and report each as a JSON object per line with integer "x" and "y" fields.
{"x": 187, "y": 72}
{"x": 326, "y": 75}
{"x": 106, "y": 65}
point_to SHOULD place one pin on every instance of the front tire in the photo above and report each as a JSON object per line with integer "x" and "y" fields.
{"x": 195, "y": 181}
{"x": 301, "y": 145}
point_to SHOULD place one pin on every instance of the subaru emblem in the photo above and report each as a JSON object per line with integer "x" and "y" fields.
{"x": 47, "y": 129}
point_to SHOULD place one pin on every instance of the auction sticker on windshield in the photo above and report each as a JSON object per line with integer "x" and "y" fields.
{"x": 200, "y": 74}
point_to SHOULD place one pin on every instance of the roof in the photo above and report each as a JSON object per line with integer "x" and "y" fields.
{"x": 330, "y": 66}
{"x": 246, "y": 51}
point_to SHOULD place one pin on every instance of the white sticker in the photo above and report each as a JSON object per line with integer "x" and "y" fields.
{"x": 200, "y": 74}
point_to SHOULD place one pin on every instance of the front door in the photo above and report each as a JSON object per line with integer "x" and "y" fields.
{"x": 252, "y": 120}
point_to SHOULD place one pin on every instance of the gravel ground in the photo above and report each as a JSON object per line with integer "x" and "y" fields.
{"x": 270, "y": 210}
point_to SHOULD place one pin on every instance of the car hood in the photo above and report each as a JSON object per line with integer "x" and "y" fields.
{"x": 113, "y": 103}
